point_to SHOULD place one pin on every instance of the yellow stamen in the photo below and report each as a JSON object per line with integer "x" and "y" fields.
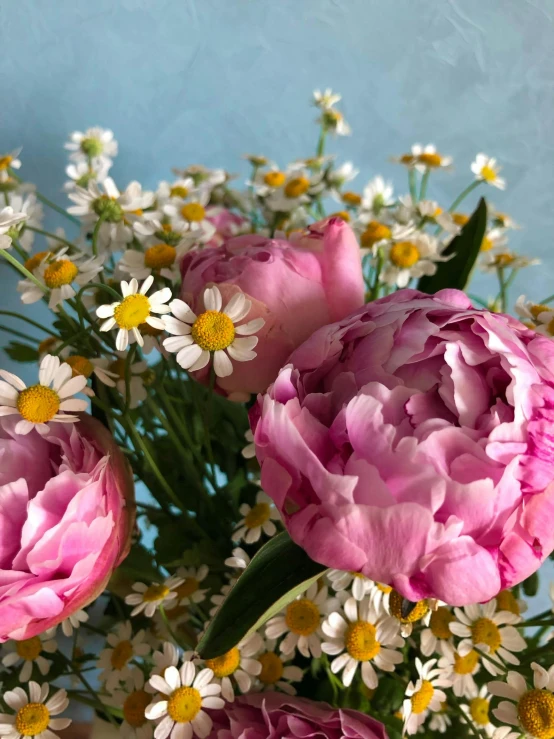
{"x": 460, "y": 219}
{"x": 424, "y": 696}
{"x": 360, "y": 641}
{"x": 29, "y": 649}
{"x": 506, "y": 601}
{"x": 193, "y": 212}
{"x": 213, "y": 331}
{"x": 32, "y": 719}
{"x": 160, "y": 256}
{"x": 154, "y": 593}
{"x": 297, "y": 187}
{"x": 257, "y": 515}
{"x": 535, "y": 711}
{"x": 134, "y": 707}
{"x": 5, "y": 161}
{"x": 132, "y": 311}
{"x": 404, "y": 254}
{"x": 485, "y": 631}
{"x": 80, "y": 366}
{"x": 373, "y": 233}
{"x": 488, "y": 173}
{"x": 302, "y": 617}
{"x": 408, "y": 159}
{"x": 35, "y": 261}
{"x": 439, "y": 623}
{"x": 46, "y": 345}
{"x": 479, "y": 710}
{"x": 383, "y": 588}
{"x": 467, "y": 664}
{"x": 226, "y": 664}
{"x": 344, "y": 215}
{"x": 184, "y": 704}
{"x": 416, "y": 614}
{"x": 274, "y": 179}
{"x": 186, "y": 589}
{"x": 487, "y": 244}
{"x": 272, "y": 668}
{"x": 351, "y": 198}
{"x": 178, "y": 191}
{"x": 537, "y": 309}
{"x": 121, "y": 654}
{"x": 430, "y": 160}
{"x": 61, "y": 272}
{"x": 38, "y": 404}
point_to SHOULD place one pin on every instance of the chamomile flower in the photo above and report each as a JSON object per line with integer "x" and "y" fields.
{"x": 341, "y": 581}
{"x": 296, "y": 190}
{"x": 413, "y": 257}
{"x": 440, "y": 721}
{"x": 257, "y": 519}
{"x": 484, "y": 627}
{"x": 486, "y": 170}
{"x": 249, "y": 451}
{"x": 82, "y": 366}
{"x": 93, "y": 145}
{"x": 81, "y": 174}
{"x": 9, "y": 161}
{"x": 31, "y": 652}
{"x": 133, "y": 702}
{"x": 123, "y": 647}
{"x": 427, "y": 157}
{"x": 377, "y": 195}
{"x": 49, "y": 401}
{"x": 69, "y": 624}
{"x": 159, "y": 259}
{"x": 477, "y": 710}
{"x": 135, "y": 308}
{"x": 424, "y": 696}
{"x": 276, "y": 674}
{"x": 326, "y": 99}
{"x": 24, "y": 201}
{"x": 494, "y": 239}
{"x": 438, "y": 637}
{"x": 506, "y": 601}
{"x": 268, "y": 180}
{"x": 185, "y": 695}
{"x": 168, "y": 657}
{"x": 459, "y": 671}
{"x": 339, "y": 176}
{"x": 239, "y": 559}
{"x": 531, "y": 710}
{"x": 191, "y": 215}
{"x": 419, "y": 611}
{"x": 333, "y": 120}
{"x": 204, "y": 176}
{"x": 112, "y": 372}
{"x": 197, "y": 337}
{"x": 33, "y": 712}
{"x": 189, "y": 591}
{"x": 8, "y": 219}
{"x": 537, "y": 316}
{"x": 495, "y": 260}
{"x": 175, "y": 192}
{"x": 149, "y": 598}
{"x": 218, "y": 598}
{"x": 358, "y": 635}
{"x": 237, "y": 666}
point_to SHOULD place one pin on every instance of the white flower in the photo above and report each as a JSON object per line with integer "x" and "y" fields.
{"x": 134, "y": 309}
{"x": 249, "y": 451}
{"x": 191, "y": 215}
{"x": 160, "y": 259}
{"x": 111, "y": 372}
{"x": 116, "y": 658}
{"x": 440, "y": 722}
{"x": 73, "y": 622}
{"x": 419, "y": 611}
{"x": 494, "y": 239}
{"x": 459, "y": 671}
{"x": 256, "y": 519}
{"x": 189, "y": 592}
{"x": 413, "y": 257}
{"x": 218, "y": 598}
{"x": 531, "y": 711}
{"x": 133, "y": 702}
{"x": 86, "y": 368}
{"x": 340, "y": 581}
{"x": 477, "y": 710}
{"x": 33, "y": 714}
{"x": 82, "y": 173}
{"x": 338, "y": 177}
{"x": 29, "y": 652}
{"x": 424, "y": 696}
{"x": 240, "y": 559}
{"x": 150, "y": 598}
{"x": 296, "y": 190}
{"x": 358, "y": 635}
{"x": 326, "y": 99}
{"x": 24, "y": 202}
{"x": 168, "y": 657}
{"x": 201, "y": 175}
{"x": 237, "y": 666}
{"x": 175, "y": 192}
{"x": 196, "y": 338}
{"x": 185, "y": 695}
{"x": 494, "y": 260}
{"x": 268, "y": 180}
{"x": 276, "y": 673}
{"x": 333, "y": 120}
{"x": 9, "y": 218}
{"x": 438, "y": 637}
{"x": 376, "y": 196}
{"x": 486, "y": 169}
{"x": 43, "y": 403}
{"x": 428, "y": 158}
{"x": 301, "y": 622}
{"x": 96, "y": 145}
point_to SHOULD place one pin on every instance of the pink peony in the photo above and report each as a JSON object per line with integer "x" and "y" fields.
{"x": 66, "y": 514}
{"x": 412, "y": 442}
{"x": 294, "y": 288}
{"x": 274, "y": 715}
{"x": 226, "y": 223}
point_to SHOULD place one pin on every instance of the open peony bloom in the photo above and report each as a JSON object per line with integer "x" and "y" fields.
{"x": 66, "y": 514}
{"x": 412, "y": 442}
{"x": 263, "y": 715}
{"x": 295, "y": 287}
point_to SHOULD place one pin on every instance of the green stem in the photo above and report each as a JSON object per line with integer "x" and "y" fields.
{"x": 378, "y": 268}
{"x": 321, "y": 142}
{"x": 128, "y": 366}
{"x": 546, "y": 300}
{"x": 20, "y": 334}
{"x": 51, "y": 236}
{"x": 76, "y": 671}
{"x": 412, "y": 184}
{"x": 29, "y": 321}
{"x": 470, "y": 188}
{"x": 424, "y": 183}
{"x": 95, "y": 233}
{"x": 18, "y": 266}
{"x": 99, "y": 286}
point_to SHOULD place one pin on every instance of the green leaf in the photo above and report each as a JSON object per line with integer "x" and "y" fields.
{"x": 531, "y": 585}
{"x": 21, "y": 352}
{"x": 463, "y": 250}
{"x": 279, "y": 572}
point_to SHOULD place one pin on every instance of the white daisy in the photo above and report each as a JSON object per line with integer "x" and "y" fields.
{"x": 326, "y": 99}
{"x": 46, "y": 402}
{"x": 492, "y": 631}
{"x": 268, "y": 180}
{"x": 189, "y": 592}
{"x": 33, "y": 714}
{"x": 412, "y": 257}
{"x": 8, "y": 219}
{"x": 440, "y": 722}
{"x": 185, "y": 694}
{"x": 96, "y": 145}
{"x": 459, "y": 671}
{"x": 175, "y": 192}
{"x": 116, "y": 658}
{"x": 377, "y": 195}
{"x": 257, "y": 519}
{"x": 237, "y": 666}
{"x": 530, "y": 710}
{"x": 69, "y": 624}
{"x": 239, "y": 559}
{"x": 9, "y": 161}
{"x": 191, "y": 215}
{"x": 134, "y": 309}
{"x": 477, "y": 710}
{"x": 29, "y": 652}
{"x": 82, "y": 366}
{"x": 249, "y": 451}
{"x": 427, "y": 157}
{"x": 201, "y": 175}
{"x": 159, "y": 259}
{"x": 494, "y": 260}
{"x": 486, "y": 169}
{"x": 81, "y": 174}
{"x": 196, "y": 338}
{"x": 339, "y": 176}
{"x": 24, "y": 201}
{"x": 340, "y": 581}
{"x": 420, "y": 611}
{"x": 438, "y": 637}
{"x": 358, "y": 635}
{"x": 333, "y": 121}
{"x": 114, "y": 370}
{"x": 494, "y": 239}
{"x": 133, "y": 701}
{"x": 149, "y": 598}
{"x": 506, "y": 601}
{"x": 296, "y": 190}
{"x": 276, "y": 673}
{"x": 424, "y": 696}
{"x": 501, "y": 220}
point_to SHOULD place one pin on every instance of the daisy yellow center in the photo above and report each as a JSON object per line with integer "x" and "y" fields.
{"x": 46, "y": 345}
{"x": 132, "y": 311}
{"x": 92, "y": 146}
{"x": 274, "y": 179}
{"x": 80, "y": 366}
{"x": 430, "y": 159}
{"x": 213, "y": 331}
{"x": 302, "y": 617}
{"x": 351, "y": 198}
{"x": 297, "y": 187}
{"x": 121, "y": 654}
{"x": 440, "y": 619}
{"x": 485, "y": 631}
{"x": 61, "y": 272}
{"x": 506, "y": 601}
{"x": 424, "y": 696}
{"x": 535, "y": 710}
{"x": 134, "y": 707}
{"x": 257, "y": 515}
{"x": 360, "y": 641}
{"x": 160, "y": 256}
{"x": 488, "y": 173}
{"x": 184, "y": 704}
{"x": 373, "y": 233}
{"x": 33, "y": 262}
{"x": 467, "y": 664}
{"x": 178, "y": 191}
{"x": 404, "y": 254}
{"x": 344, "y": 215}
{"x": 383, "y": 588}
{"x": 416, "y": 614}
{"x": 5, "y": 161}
{"x": 147, "y": 330}
{"x": 479, "y": 710}
{"x": 38, "y": 404}
{"x": 504, "y": 260}
{"x": 154, "y": 593}
{"x": 535, "y": 310}
{"x": 32, "y": 719}
{"x": 460, "y": 219}
{"x": 272, "y": 668}
{"x": 29, "y": 649}
{"x": 487, "y": 244}
{"x": 187, "y": 588}
{"x": 407, "y": 159}
{"x": 193, "y": 212}
{"x": 118, "y": 367}
{"x": 226, "y": 664}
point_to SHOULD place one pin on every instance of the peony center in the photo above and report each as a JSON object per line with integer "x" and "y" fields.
{"x": 274, "y": 179}
{"x": 297, "y": 187}
{"x": 536, "y": 713}
{"x": 121, "y": 654}
{"x": 272, "y": 668}
{"x": 424, "y": 696}
{"x": 416, "y": 614}
{"x": 351, "y": 198}
{"x": 193, "y": 212}
{"x": 61, "y": 272}
{"x": 430, "y": 159}
{"x": 302, "y": 617}
{"x": 360, "y": 641}
{"x": 132, "y": 311}
{"x": 226, "y": 664}
{"x": 257, "y": 515}
{"x": 154, "y": 593}
{"x": 29, "y": 649}
{"x": 467, "y": 664}
{"x": 485, "y": 631}
{"x": 32, "y": 719}
{"x": 479, "y": 710}
{"x": 81, "y": 366}
{"x": 134, "y": 707}
{"x": 488, "y": 173}
{"x": 184, "y": 704}
{"x": 35, "y": 261}
{"x": 38, "y": 404}
{"x": 404, "y": 254}
{"x": 187, "y": 588}
{"x": 178, "y": 191}
{"x": 160, "y": 256}
{"x": 506, "y": 601}
{"x": 213, "y": 331}
{"x": 439, "y": 623}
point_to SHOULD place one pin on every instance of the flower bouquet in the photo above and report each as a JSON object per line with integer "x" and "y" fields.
{"x": 343, "y": 459}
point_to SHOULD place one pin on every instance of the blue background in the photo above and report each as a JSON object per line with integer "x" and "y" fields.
{"x": 184, "y": 81}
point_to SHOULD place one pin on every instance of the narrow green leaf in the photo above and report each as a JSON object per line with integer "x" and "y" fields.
{"x": 463, "y": 250}
{"x": 21, "y": 352}
{"x": 279, "y": 572}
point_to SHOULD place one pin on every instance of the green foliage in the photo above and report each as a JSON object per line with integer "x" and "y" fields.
{"x": 21, "y": 352}
{"x": 531, "y": 585}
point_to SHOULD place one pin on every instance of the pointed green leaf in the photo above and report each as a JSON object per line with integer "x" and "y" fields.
{"x": 21, "y": 352}
{"x": 279, "y": 572}
{"x": 463, "y": 250}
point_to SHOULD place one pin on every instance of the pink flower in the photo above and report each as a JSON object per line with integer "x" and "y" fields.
{"x": 413, "y": 442}
{"x": 66, "y": 514}
{"x": 296, "y": 288}
{"x": 226, "y": 223}
{"x": 274, "y": 715}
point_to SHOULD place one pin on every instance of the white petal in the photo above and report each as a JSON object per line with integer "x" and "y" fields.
{"x": 189, "y": 355}
{"x": 122, "y": 340}
{"x": 212, "y": 298}
{"x": 146, "y": 285}
{"x": 235, "y": 306}
{"x": 201, "y": 362}
{"x": 251, "y": 327}
{"x": 222, "y": 364}
{"x": 182, "y": 311}
{"x": 105, "y": 311}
